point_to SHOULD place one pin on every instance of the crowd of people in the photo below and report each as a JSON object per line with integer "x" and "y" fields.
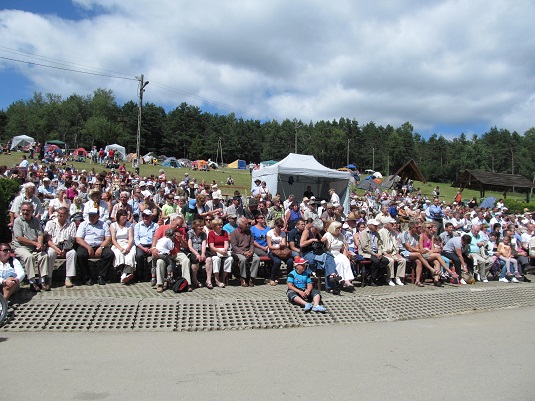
{"x": 159, "y": 230}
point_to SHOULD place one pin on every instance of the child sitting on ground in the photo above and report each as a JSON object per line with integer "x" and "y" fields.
{"x": 300, "y": 289}
{"x": 164, "y": 246}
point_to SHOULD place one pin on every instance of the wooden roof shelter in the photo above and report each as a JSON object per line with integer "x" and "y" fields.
{"x": 486, "y": 180}
{"x": 410, "y": 170}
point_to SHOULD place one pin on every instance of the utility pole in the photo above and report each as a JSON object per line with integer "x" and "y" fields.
{"x": 296, "y": 128}
{"x": 347, "y": 164}
{"x": 142, "y": 85}
{"x": 373, "y": 158}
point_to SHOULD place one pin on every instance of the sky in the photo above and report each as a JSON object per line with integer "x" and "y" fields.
{"x": 448, "y": 67}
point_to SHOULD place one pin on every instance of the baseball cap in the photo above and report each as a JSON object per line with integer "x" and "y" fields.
{"x": 147, "y": 212}
{"x": 373, "y": 221}
{"x": 300, "y": 261}
{"x": 93, "y": 210}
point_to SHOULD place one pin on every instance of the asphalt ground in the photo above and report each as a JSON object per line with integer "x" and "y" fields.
{"x": 476, "y": 356}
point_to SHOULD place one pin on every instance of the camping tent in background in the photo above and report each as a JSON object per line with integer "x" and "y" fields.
{"x": 171, "y": 162}
{"x": 21, "y": 140}
{"x": 132, "y": 156}
{"x": 295, "y": 172}
{"x": 59, "y": 144}
{"x": 80, "y": 152}
{"x": 267, "y": 163}
{"x": 369, "y": 185}
{"x": 120, "y": 151}
{"x": 200, "y": 165}
{"x": 149, "y": 157}
{"x": 239, "y": 164}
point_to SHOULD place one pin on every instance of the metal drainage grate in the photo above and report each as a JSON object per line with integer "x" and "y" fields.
{"x": 156, "y": 316}
{"x": 114, "y": 316}
{"x": 72, "y": 315}
{"x": 197, "y": 317}
{"x": 31, "y": 316}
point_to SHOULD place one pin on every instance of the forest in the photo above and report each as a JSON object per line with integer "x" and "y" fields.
{"x": 187, "y": 131}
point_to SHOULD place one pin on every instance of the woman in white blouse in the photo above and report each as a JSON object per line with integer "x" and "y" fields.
{"x": 336, "y": 244}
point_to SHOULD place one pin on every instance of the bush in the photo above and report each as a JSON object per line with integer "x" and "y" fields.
{"x": 8, "y": 190}
{"x": 516, "y": 206}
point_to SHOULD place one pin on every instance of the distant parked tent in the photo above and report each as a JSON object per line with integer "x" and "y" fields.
{"x": 80, "y": 152}
{"x": 130, "y": 157}
{"x": 22, "y": 141}
{"x": 149, "y": 157}
{"x": 239, "y": 164}
{"x": 171, "y": 162}
{"x": 120, "y": 151}
{"x": 267, "y": 163}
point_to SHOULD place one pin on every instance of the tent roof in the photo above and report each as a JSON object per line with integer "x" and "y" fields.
{"x": 56, "y": 142}
{"x": 483, "y": 180}
{"x": 303, "y": 165}
{"x": 21, "y": 139}
{"x": 410, "y": 170}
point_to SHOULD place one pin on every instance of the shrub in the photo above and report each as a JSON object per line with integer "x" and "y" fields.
{"x": 516, "y": 206}
{"x": 8, "y": 190}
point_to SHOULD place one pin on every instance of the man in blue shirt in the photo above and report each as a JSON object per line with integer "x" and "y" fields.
{"x": 300, "y": 289}
{"x": 93, "y": 238}
{"x": 143, "y": 234}
{"x": 436, "y": 214}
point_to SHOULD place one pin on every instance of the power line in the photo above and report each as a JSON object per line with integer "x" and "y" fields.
{"x": 67, "y": 69}
{"x": 60, "y": 62}
{"x": 65, "y": 66}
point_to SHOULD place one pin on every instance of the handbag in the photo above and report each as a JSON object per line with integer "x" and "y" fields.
{"x": 318, "y": 248}
{"x": 282, "y": 253}
{"x": 468, "y": 277}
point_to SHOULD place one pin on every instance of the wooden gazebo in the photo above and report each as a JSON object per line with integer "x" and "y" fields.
{"x": 486, "y": 180}
{"x": 410, "y": 170}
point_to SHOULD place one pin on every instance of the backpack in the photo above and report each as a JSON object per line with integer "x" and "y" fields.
{"x": 181, "y": 285}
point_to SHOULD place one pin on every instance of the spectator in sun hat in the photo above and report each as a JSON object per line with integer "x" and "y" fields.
{"x": 300, "y": 290}
{"x": 256, "y": 189}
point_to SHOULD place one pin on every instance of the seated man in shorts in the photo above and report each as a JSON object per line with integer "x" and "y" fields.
{"x": 300, "y": 289}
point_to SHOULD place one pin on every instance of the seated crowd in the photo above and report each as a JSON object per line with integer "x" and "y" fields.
{"x": 158, "y": 230}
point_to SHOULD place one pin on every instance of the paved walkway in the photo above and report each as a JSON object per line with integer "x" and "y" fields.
{"x": 138, "y": 307}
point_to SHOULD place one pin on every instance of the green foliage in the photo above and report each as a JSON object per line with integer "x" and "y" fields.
{"x": 8, "y": 190}
{"x": 517, "y": 206}
{"x": 188, "y": 132}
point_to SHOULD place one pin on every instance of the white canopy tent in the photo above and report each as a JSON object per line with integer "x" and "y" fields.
{"x": 21, "y": 140}
{"x": 120, "y": 151}
{"x": 295, "y": 172}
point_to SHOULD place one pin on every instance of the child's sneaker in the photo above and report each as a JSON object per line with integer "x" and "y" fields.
{"x": 308, "y": 307}
{"x": 319, "y": 308}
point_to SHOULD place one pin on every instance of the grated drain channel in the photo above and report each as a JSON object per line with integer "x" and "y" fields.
{"x": 265, "y": 308}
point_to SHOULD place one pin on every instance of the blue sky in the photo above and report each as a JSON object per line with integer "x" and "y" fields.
{"x": 445, "y": 66}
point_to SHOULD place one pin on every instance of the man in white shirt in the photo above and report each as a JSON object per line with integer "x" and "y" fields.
{"x": 24, "y": 163}
{"x": 11, "y": 271}
{"x": 60, "y": 236}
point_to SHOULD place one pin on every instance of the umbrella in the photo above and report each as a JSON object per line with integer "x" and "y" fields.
{"x": 488, "y": 202}
{"x": 351, "y": 166}
{"x": 377, "y": 174}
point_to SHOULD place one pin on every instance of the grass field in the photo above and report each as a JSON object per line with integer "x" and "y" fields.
{"x": 242, "y": 179}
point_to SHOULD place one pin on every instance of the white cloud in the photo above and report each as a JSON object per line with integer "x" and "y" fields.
{"x": 431, "y": 63}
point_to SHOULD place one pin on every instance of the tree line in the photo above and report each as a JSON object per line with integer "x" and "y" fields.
{"x": 186, "y": 131}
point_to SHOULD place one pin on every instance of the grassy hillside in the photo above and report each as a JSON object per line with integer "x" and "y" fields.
{"x": 242, "y": 179}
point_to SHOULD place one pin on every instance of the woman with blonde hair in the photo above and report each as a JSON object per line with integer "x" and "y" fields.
{"x": 335, "y": 243}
